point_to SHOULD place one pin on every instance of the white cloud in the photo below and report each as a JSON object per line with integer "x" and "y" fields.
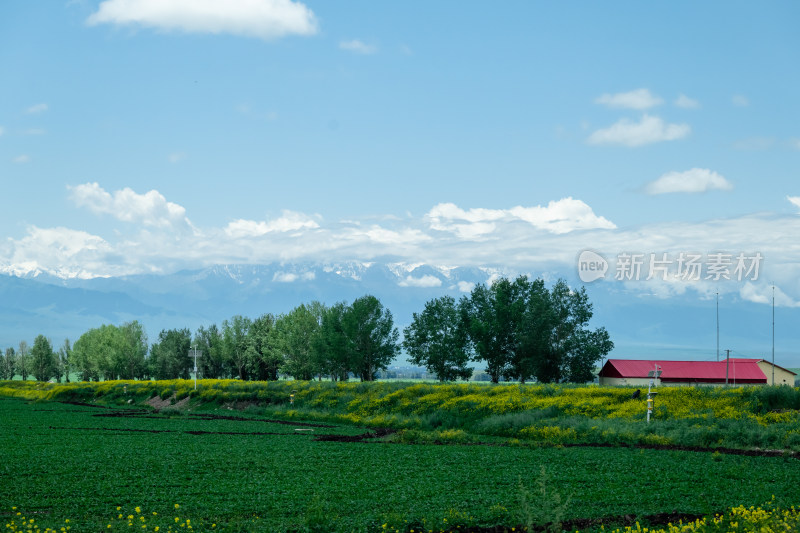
{"x": 465, "y": 286}
{"x": 639, "y": 99}
{"x": 740, "y": 100}
{"x": 35, "y": 131}
{"x": 386, "y": 236}
{"x": 150, "y": 209}
{"x": 176, "y": 157}
{"x": 263, "y": 19}
{"x": 690, "y": 181}
{"x": 289, "y": 221}
{"x": 22, "y": 159}
{"x": 561, "y": 216}
{"x": 763, "y": 293}
{"x": 2, "y": 131}
{"x": 424, "y": 281}
{"x": 38, "y": 108}
{"x": 685, "y": 102}
{"x": 358, "y": 47}
{"x": 649, "y": 130}
{"x": 291, "y": 277}
{"x": 524, "y": 239}
{"x": 62, "y": 251}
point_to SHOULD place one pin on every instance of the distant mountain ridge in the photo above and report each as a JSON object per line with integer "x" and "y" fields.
{"x": 642, "y": 326}
{"x": 63, "y": 306}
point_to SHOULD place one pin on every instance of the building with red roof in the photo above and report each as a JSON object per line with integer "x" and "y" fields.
{"x": 732, "y": 371}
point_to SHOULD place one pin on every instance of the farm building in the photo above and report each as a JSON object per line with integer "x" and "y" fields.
{"x": 677, "y": 373}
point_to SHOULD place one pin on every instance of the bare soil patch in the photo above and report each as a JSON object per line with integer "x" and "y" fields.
{"x": 158, "y": 403}
{"x": 364, "y": 437}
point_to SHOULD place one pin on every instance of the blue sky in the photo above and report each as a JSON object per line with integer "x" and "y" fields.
{"x": 152, "y": 135}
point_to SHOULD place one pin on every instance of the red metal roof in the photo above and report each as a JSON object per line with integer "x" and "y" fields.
{"x": 745, "y": 371}
{"x": 758, "y": 361}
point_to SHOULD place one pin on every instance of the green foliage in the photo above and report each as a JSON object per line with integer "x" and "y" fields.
{"x": 169, "y": 357}
{"x": 235, "y": 344}
{"x": 297, "y": 333}
{"x": 64, "y": 357}
{"x": 522, "y": 330}
{"x": 264, "y": 357}
{"x": 43, "y": 359}
{"x": 438, "y": 340}
{"x": 370, "y": 327}
{"x": 333, "y": 347}
{"x": 110, "y": 352}
{"x": 213, "y": 364}
{"x": 8, "y": 364}
{"x": 766, "y": 399}
{"x": 132, "y": 353}
{"x": 23, "y": 361}
{"x": 542, "y": 507}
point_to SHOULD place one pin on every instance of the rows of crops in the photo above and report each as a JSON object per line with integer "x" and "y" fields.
{"x": 240, "y": 471}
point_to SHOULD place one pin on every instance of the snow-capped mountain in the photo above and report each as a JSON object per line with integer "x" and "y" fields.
{"x": 680, "y": 327}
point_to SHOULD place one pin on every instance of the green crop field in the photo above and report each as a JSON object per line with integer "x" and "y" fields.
{"x": 244, "y": 471}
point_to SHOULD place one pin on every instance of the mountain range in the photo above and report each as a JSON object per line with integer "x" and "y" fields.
{"x": 641, "y": 325}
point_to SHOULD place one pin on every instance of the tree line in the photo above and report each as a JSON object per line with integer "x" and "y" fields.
{"x": 520, "y": 329}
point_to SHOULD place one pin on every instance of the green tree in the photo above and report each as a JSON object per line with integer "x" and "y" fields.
{"x": 98, "y": 353}
{"x": 297, "y": 332}
{"x": 212, "y": 363}
{"x": 371, "y": 330}
{"x": 532, "y": 325}
{"x": 65, "y": 360}
{"x": 487, "y": 334}
{"x": 132, "y": 353}
{"x": 522, "y": 330}
{"x": 235, "y": 343}
{"x": 85, "y": 356}
{"x": 43, "y": 359}
{"x": 438, "y": 340}
{"x": 264, "y": 350}
{"x": 584, "y": 349}
{"x": 23, "y": 361}
{"x": 573, "y": 347}
{"x": 9, "y": 366}
{"x": 333, "y": 347}
{"x": 169, "y": 357}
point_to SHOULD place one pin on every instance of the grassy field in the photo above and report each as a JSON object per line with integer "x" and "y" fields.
{"x": 707, "y": 417}
{"x": 250, "y": 471}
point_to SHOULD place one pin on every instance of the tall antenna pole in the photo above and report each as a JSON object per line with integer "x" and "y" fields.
{"x": 773, "y": 334}
{"x": 718, "y": 326}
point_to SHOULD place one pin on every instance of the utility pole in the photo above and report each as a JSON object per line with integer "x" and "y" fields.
{"x": 773, "y": 334}
{"x": 651, "y": 394}
{"x": 717, "y": 326}
{"x": 727, "y": 364}
{"x": 194, "y": 353}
